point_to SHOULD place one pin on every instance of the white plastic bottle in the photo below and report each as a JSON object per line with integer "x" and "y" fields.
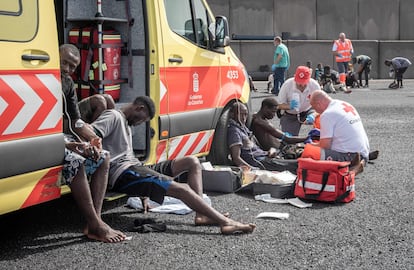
{"x": 296, "y": 97}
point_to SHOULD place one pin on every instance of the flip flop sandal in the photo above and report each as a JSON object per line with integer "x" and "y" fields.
{"x": 142, "y": 221}
{"x": 153, "y": 227}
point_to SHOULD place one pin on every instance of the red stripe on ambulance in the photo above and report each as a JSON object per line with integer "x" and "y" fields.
{"x": 185, "y": 145}
{"x": 46, "y": 189}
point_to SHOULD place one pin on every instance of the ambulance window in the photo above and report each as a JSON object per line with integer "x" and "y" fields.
{"x": 202, "y": 22}
{"x": 180, "y": 16}
{"x": 22, "y": 17}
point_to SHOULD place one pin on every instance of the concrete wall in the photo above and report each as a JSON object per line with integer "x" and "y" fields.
{"x": 379, "y": 28}
{"x": 256, "y": 54}
{"x": 320, "y": 19}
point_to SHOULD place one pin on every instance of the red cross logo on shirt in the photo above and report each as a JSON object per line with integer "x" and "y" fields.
{"x": 348, "y": 108}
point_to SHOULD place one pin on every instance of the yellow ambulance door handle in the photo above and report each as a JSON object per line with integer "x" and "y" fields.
{"x": 35, "y": 57}
{"x": 175, "y": 59}
{"x": 31, "y": 57}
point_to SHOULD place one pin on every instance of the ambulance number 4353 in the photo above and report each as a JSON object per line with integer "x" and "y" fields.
{"x": 232, "y": 74}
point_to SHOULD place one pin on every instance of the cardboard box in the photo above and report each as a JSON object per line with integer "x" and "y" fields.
{"x": 280, "y": 191}
{"x": 223, "y": 179}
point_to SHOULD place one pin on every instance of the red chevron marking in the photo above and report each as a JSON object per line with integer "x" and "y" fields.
{"x": 48, "y": 98}
{"x": 10, "y": 97}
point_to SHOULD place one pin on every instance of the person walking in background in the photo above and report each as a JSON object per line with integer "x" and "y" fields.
{"x": 364, "y": 66}
{"x": 281, "y": 62}
{"x": 398, "y": 65}
{"x": 342, "y": 50}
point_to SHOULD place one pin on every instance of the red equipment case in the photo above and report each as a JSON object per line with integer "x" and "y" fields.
{"x": 87, "y": 77}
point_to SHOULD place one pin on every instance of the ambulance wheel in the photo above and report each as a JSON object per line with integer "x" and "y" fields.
{"x": 219, "y": 153}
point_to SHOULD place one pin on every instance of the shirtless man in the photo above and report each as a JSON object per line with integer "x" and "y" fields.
{"x": 267, "y": 134}
{"x": 91, "y": 107}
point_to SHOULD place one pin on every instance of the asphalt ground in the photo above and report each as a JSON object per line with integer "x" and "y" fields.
{"x": 375, "y": 231}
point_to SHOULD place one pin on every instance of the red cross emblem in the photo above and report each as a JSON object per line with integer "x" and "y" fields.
{"x": 349, "y": 108}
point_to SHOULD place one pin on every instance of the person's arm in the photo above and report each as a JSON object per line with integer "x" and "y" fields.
{"x": 352, "y": 47}
{"x": 278, "y": 58}
{"x": 335, "y": 50}
{"x": 324, "y": 143}
{"x": 85, "y": 131}
{"x": 266, "y": 127}
{"x": 235, "y": 152}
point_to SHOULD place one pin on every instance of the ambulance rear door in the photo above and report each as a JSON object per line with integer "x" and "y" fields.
{"x": 31, "y": 139}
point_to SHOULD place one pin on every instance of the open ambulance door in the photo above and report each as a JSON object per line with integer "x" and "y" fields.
{"x": 31, "y": 138}
{"x": 191, "y": 76}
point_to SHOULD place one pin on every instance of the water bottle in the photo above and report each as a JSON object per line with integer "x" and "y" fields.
{"x": 296, "y": 97}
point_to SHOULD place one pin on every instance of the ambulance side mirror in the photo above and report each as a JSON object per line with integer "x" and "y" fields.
{"x": 222, "y": 38}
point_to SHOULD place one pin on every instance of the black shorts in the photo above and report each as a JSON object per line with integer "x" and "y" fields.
{"x": 146, "y": 181}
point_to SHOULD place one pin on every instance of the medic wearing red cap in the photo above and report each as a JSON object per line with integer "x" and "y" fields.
{"x": 294, "y": 99}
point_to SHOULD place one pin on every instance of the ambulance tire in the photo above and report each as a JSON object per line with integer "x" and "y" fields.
{"x": 219, "y": 153}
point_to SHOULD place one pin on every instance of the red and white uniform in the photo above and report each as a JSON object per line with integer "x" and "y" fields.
{"x": 341, "y": 122}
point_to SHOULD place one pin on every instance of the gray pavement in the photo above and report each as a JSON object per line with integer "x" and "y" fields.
{"x": 375, "y": 231}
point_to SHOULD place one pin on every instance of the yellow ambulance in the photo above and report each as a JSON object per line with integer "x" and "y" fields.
{"x": 174, "y": 51}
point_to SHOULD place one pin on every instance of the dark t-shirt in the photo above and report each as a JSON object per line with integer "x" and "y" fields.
{"x": 241, "y": 135}
{"x": 70, "y": 103}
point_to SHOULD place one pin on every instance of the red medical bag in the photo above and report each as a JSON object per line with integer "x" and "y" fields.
{"x": 87, "y": 77}
{"x": 324, "y": 180}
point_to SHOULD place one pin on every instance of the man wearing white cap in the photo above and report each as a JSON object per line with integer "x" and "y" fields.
{"x": 294, "y": 98}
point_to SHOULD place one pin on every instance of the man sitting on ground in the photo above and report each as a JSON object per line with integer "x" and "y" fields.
{"x": 245, "y": 152}
{"x": 266, "y": 133}
{"x": 330, "y": 80}
{"x": 128, "y": 175}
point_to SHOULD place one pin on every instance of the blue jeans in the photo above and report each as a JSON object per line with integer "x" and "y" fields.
{"x": 279, "y": 79}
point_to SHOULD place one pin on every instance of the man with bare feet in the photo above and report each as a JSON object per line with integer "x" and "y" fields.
{"x": 84, "y": 157}
{"x": 342, "y": 134}
{"x": 128, "y": 175}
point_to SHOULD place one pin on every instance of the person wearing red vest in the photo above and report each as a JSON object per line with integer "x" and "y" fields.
{"x": 342, "y": 50}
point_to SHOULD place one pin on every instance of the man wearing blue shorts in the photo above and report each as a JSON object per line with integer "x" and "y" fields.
{"x": 128, "y": 175}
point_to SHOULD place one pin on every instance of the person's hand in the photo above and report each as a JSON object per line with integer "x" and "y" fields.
{"x": 84, "y": 149}
{"x": 310, "y": 119}
{"x": 274, "y": 67}
{"x": 97, "y": 142}
{"x": 339, "y": 55}
{"x": 294, "y": 104}
{"x": 272, "y": 152}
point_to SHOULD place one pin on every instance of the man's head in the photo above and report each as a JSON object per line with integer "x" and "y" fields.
{"x": 277, "y": 40}
{"x": 320, "y": 101}
{"x": 302, "y": 77}
{"x": 327, "y": 70}
{"x": 239, "y": 112}
{"x": 269, "y": 108}
{"x": 342, "y": 37}
{"x": 139, "y": 111}
{"x": 69, "y": 59}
